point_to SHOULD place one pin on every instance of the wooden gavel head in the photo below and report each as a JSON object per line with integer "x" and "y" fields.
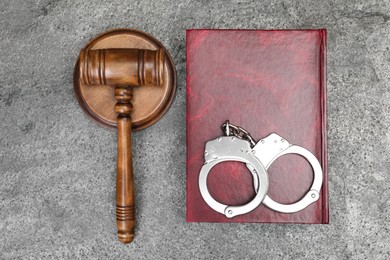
{"x": 125, "y": 79}
{"x": 122, "y": 67}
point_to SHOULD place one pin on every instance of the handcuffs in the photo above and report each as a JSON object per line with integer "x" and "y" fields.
{"x": 238, "y": 145}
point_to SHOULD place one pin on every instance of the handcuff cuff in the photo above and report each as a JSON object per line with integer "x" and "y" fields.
{"x": 238, "y": 145}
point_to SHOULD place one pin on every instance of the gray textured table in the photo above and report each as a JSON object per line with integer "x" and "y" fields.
{"x": 57, "y": 167}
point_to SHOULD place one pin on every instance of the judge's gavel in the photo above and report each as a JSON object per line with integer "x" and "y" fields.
{"x": 122, "y": 69}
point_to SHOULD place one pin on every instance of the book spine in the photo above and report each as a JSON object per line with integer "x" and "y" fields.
{"x": 324, "y": 155}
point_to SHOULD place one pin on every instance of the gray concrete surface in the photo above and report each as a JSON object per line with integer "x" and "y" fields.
{"x": 57, "y": 167}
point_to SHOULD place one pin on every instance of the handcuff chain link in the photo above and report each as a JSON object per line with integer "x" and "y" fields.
{"x": 239, "y": 132}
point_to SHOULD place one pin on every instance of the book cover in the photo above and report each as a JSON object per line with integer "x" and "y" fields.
{"x": 264, "y": 81}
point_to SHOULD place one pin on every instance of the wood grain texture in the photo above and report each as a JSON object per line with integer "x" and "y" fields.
{"x": 130, "y": 67}
{"x": 97, "y": 99}
{"x": 125, "y": 202}
{"x": 136, "y": 65}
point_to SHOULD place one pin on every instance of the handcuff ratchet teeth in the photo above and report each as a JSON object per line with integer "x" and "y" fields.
{"x": 238, "y": 145}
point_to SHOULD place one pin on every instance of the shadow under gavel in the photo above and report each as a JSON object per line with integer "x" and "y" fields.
{"x": 123, "y": 69}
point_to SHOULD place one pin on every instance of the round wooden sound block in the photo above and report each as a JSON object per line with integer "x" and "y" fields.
{"x": 149, "y": 102}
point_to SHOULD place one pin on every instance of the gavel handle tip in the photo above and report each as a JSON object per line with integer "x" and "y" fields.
{"x": 126, "y": 237}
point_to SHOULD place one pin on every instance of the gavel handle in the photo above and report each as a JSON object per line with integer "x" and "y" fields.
{"x": 125, "y": 206}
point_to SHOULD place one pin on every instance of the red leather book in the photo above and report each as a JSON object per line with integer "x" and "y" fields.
{"x": 264, "y": 81}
